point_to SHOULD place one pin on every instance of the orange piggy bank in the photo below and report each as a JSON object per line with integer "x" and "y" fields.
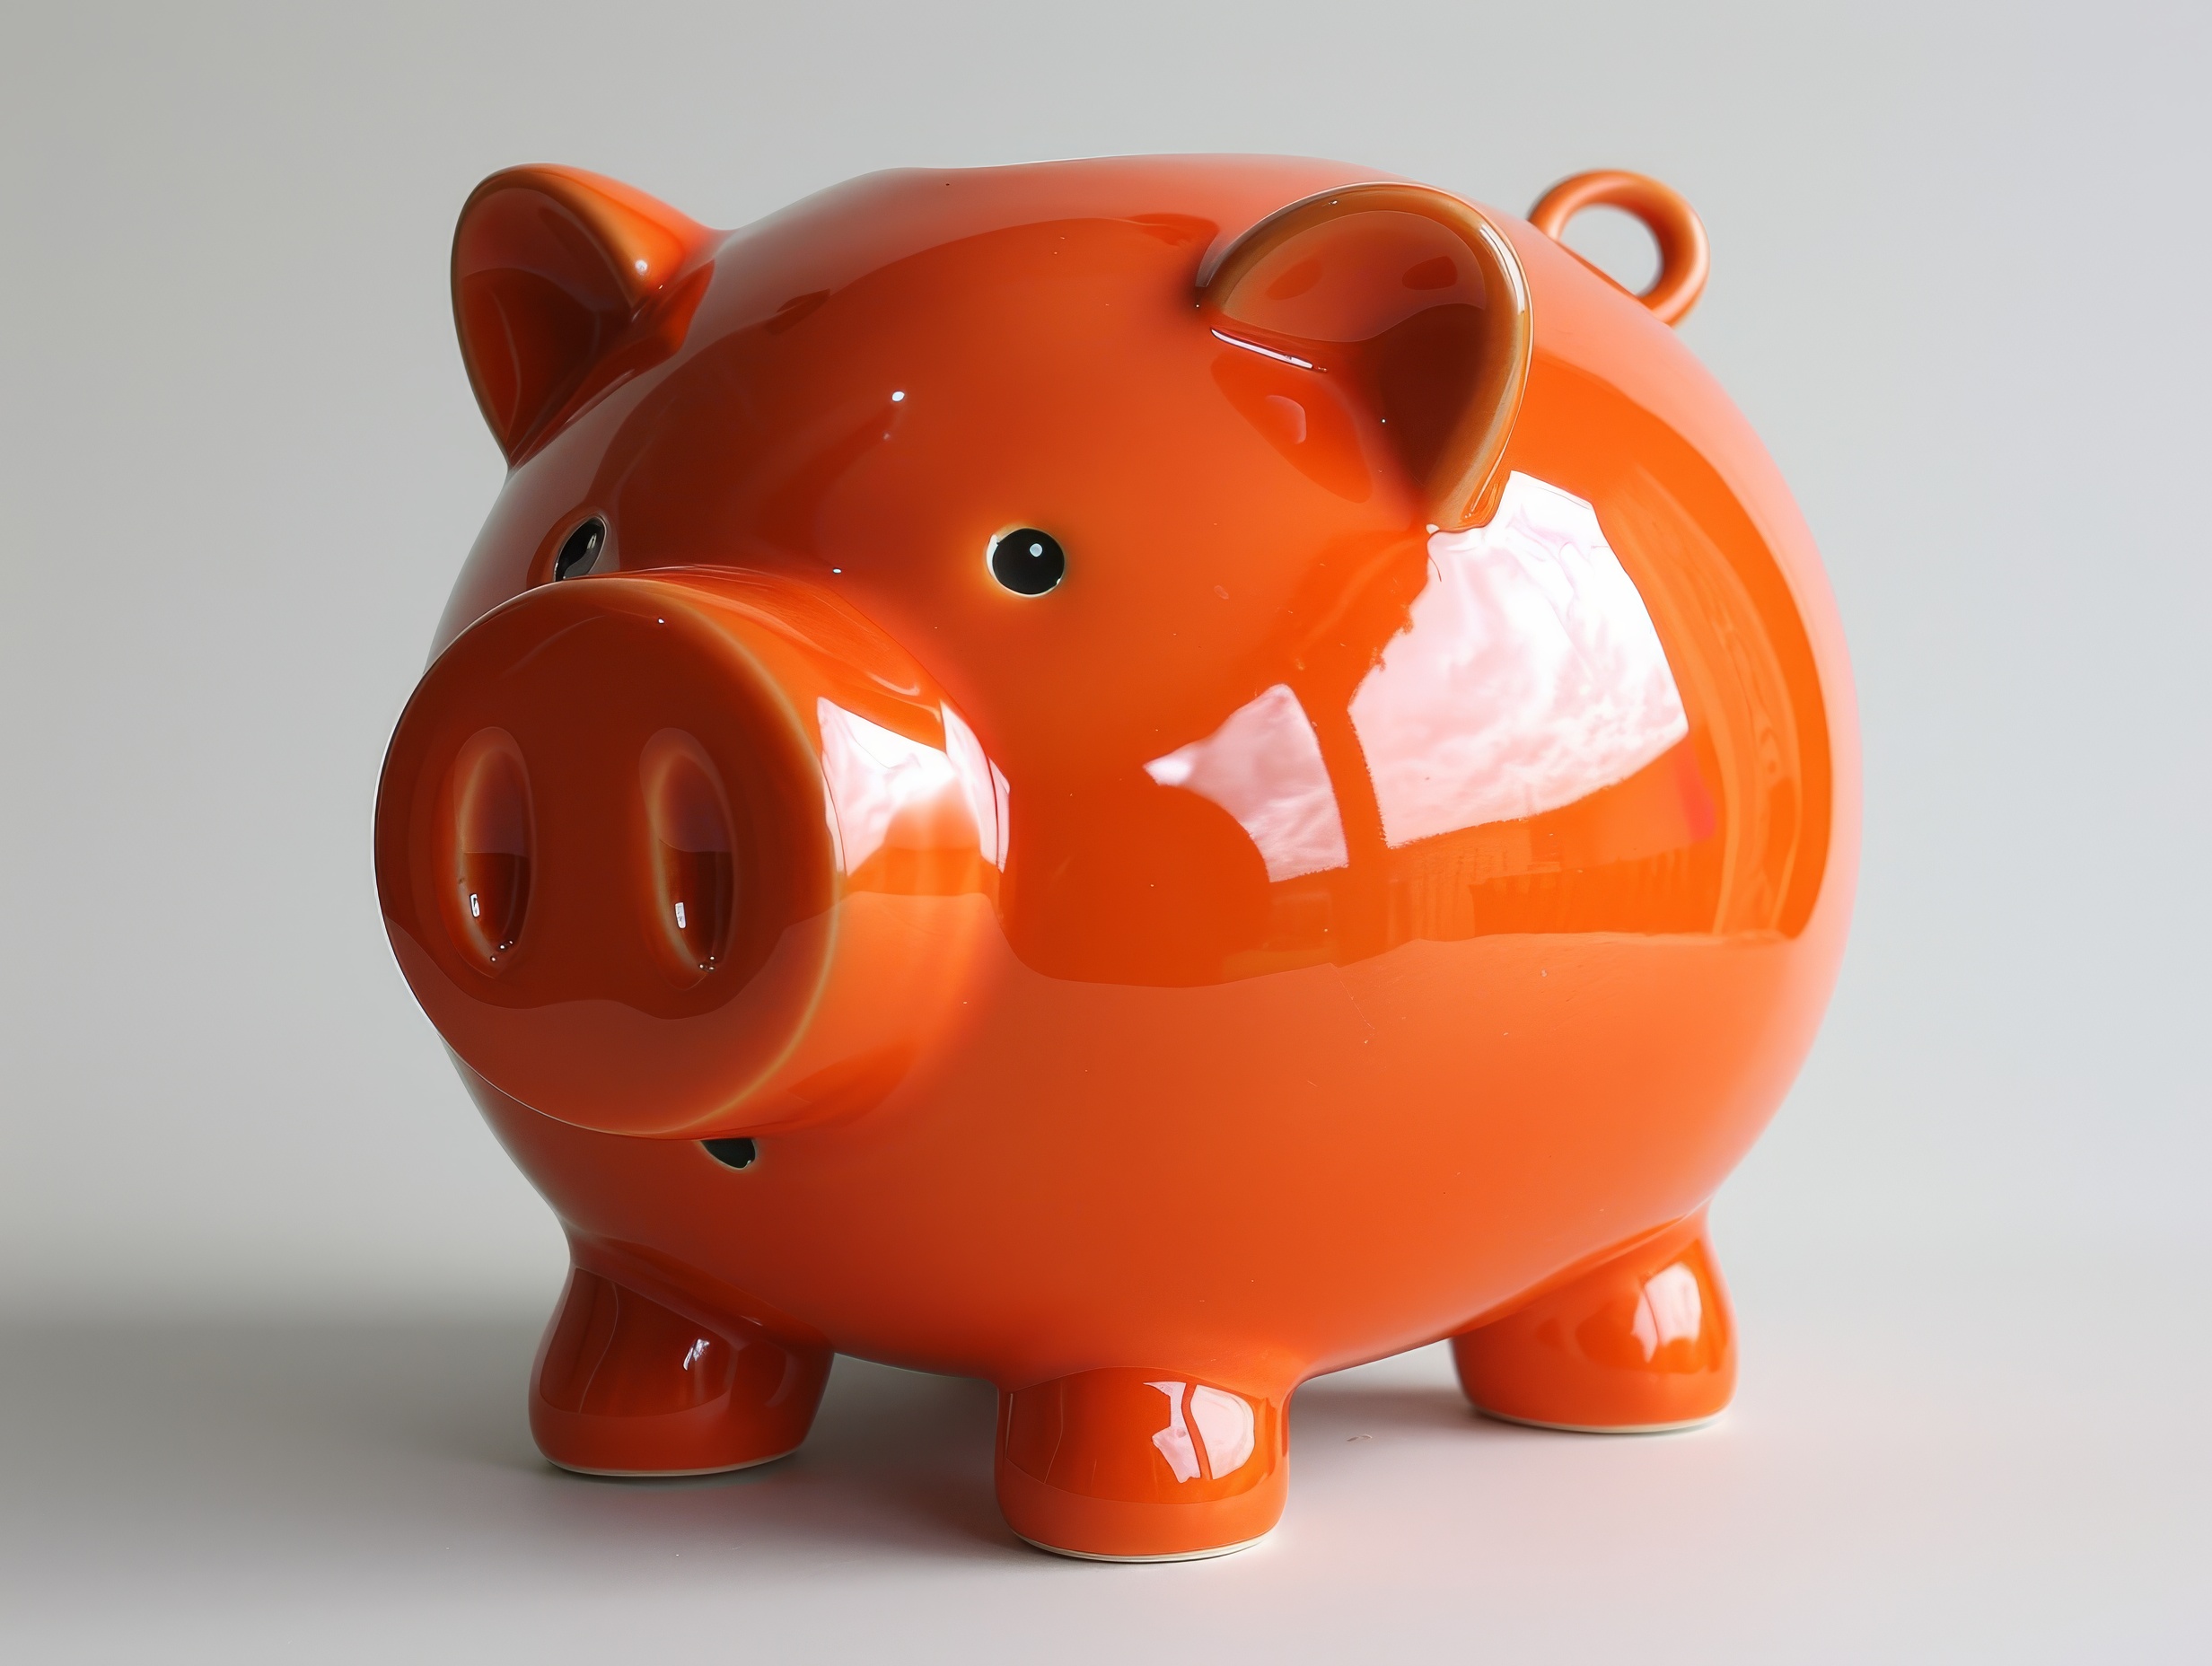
{"x": 1139, "y": 778}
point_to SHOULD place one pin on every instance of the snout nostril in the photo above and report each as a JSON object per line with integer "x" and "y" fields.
{"x": 491, "y": 835}
{"x": 694, "y": 896}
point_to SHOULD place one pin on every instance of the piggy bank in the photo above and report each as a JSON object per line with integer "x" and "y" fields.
{"x": 1139, "y": 778}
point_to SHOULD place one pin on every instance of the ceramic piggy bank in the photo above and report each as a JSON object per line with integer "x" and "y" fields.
{"x": 1142, "y": 779}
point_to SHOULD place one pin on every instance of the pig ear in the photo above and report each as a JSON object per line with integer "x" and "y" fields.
{"x": 550, "y": 266}
{"x": 1410, "y": 294}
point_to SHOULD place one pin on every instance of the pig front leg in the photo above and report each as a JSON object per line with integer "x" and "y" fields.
{"x": 1643, "y": 1344}
{"x": 625, "y": 1385}
{"x": 1140, "y": 1466}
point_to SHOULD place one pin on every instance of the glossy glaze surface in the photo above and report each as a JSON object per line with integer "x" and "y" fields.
{"x": 1399, "y": 864}
{"x": 1643, "y": 1343}
{"x": 1134, "y": 1464}
{"x": 624, "y": 1385}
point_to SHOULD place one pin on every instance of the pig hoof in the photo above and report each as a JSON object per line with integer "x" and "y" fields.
{"x": 625, "y": 1386}
{"x": 1641, "y": 1345}
{"x": 1139, "y": 1465}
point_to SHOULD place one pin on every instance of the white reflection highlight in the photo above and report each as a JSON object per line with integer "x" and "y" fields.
{"x": 1224, "y": 1423}
{"x": 1222, "y": 1440}
{"x": 1265, "y": 353}
{"x": 1173, "y": 1442}
{"x": 1264, "y": 767}
{"x": 873, "y": 773}
{"x": 1669, "y": 1309}
{"x": 981, "y": 785}
{"x": 1529, "y": 675}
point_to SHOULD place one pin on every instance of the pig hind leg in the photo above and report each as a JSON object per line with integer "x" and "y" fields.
{"x": 1639, "y": 1345}
{"x": 625, "y": 1385}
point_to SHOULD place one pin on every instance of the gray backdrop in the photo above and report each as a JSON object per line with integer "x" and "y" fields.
{"x": 1960, "y": 284}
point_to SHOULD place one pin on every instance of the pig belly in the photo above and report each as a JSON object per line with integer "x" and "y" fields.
{"x": 1253, "y": 1181}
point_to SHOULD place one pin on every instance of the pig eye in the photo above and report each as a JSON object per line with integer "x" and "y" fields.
{"x": 581, "y": 549}
{"x": 1028, "y": 561}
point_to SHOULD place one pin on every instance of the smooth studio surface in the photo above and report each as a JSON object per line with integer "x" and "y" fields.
{"x": 1918, "y": 1469}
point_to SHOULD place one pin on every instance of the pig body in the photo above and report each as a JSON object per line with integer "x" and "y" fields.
{"x": 1373, "y": 893}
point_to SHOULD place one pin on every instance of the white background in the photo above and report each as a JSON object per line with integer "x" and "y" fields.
{"x": 270, "y": 1288}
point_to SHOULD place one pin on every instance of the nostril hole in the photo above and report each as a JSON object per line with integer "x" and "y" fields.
{"x": 694, "y": 863}
{"x": 732, "y": 1153}
{"x": 493, "y": 831}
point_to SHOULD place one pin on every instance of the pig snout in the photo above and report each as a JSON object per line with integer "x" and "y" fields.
{"x": 608, "y": 853}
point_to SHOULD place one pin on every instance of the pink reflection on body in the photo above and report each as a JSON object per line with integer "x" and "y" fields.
{"x": 874, "y": 774}
{"x": 1264, "y": 767}
{"x": 1529, "y": 677}
{"x": 1668, "y": 1309}
{"x": 1206, "y": 1426}
{"x": 981, "y": 785}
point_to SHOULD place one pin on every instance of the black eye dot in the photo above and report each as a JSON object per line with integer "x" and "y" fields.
{"x": 581, "y": 550}
{"x": 736, "y": 1154}
{"x": 1028, "y": 561}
